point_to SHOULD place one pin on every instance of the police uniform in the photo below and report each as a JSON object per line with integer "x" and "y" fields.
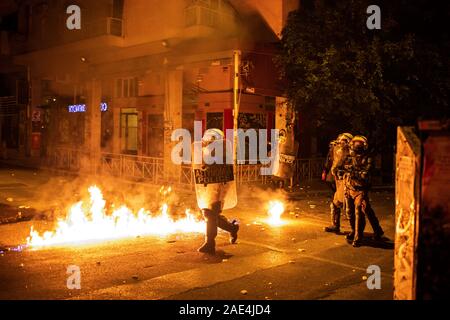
{"x": 357, "y": 168}
{"x": 215, "y": 190}
{"x": 339, "y": 153}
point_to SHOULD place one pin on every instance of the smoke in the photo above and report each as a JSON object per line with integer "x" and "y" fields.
{"x": 54, "y": 199}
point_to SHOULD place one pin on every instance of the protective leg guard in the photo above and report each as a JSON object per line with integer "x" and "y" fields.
{"x": 209, "y": 246}
{"x": 335, "y": 213}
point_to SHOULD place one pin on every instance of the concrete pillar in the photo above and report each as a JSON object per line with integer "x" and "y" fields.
{"x": 173, "y": 111}
{"x": 92, "y": 127}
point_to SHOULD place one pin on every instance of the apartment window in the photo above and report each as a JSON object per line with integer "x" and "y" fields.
{"x": 117, "y": 9}
{"x": 126, "y": 87}
{"x": 129, "y": 130}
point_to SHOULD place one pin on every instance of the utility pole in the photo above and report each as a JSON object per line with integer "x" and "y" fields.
{"x": 236, "y": 100}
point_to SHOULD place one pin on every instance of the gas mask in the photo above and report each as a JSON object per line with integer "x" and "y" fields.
{"x": 357, "y": 148}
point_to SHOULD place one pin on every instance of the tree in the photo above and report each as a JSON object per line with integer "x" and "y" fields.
{"x": 349, "y": 78}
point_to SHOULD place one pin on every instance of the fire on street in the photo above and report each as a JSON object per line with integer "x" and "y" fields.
{"x": 296, "y": 260}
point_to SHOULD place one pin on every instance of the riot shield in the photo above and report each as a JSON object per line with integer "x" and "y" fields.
{"x": 214, "y": 182}
{"x": 339, "y": 155}
{"x": 284, "y": 166}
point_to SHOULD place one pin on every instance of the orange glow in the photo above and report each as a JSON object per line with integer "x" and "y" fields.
{"x": 276, "y": 209}
{"x": 83, "y": 225}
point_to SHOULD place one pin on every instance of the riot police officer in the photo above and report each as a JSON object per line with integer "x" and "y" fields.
{"x": 326, "y": 171}
{"x": 357, "y": 166}
{"x": 215, "y": 190}
{"x": 339, "y": 152}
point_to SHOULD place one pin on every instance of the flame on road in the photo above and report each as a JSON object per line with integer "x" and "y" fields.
{"x": 95, "y": 223}
{"x": 276, "y": 209}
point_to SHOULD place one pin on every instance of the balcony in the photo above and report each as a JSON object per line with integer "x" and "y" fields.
{"x": 201, "y": 18}
{"x": 8, "y": 106}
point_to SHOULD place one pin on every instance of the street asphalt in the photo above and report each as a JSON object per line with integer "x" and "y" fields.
{"x": 295, "y": 261}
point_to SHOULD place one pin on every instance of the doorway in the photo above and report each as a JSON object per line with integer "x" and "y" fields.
{"x": 129, "y": 130}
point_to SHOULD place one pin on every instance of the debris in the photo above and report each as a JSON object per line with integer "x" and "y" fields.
{"x": 244, "y": 292}
{"x": 180, "y": 252}
{"x": 267, "y": 298}
{"x": 135, "y": 277}
{"x": 312, "y": 206}
{"x": 296, "y": 215}
{"x": 291, "y": 261}
{"x": 224, "y": 260}
{"x": 171, "y": 241}
{"x": 301, "y": 250}
{"x": 98, "y": 263}
{"x": 364, "y": 278}
{"x": 293, "y": 239}
{"x": 21, "y": 265}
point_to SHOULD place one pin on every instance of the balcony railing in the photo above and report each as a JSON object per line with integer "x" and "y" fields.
{"x": 198, "y": 15}
{"x": 151, "y": 170}
{"x": 8, "y": 106}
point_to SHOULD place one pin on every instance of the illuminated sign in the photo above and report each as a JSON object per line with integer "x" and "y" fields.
{"x": 77, "y": 108}
{"x": 74, "y": 108}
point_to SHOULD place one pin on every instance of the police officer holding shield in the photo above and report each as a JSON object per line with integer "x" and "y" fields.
{"x": 215, "y": 187}
{"x": 339, "y": 152}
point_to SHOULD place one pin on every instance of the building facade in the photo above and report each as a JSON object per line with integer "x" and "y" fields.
{"x": 138, "y": 69}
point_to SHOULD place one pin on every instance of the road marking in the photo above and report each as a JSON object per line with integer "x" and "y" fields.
{"x": 205, "y": 276}
{"x": 308, "y": 256}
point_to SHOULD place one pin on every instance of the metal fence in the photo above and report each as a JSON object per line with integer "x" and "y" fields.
{"x": 147, "y": 169}
{"x": 151, "y": 170}
{"x": 308, "y": 169}
{"x": 64, "y": 159}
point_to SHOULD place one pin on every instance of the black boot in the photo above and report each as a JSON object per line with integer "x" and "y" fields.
{"x": 335, "y": 214}
{"x": 231, "y": 227}
{"x": 234, "y": 232}
{"x": 375, "y": 223}
{"x": 209, "y": 246}
{"x": 334, "y": 229}
{"x": 360, "y": 224}
{"x": 350, "y": 236}
{"x": 356, "y": 243}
